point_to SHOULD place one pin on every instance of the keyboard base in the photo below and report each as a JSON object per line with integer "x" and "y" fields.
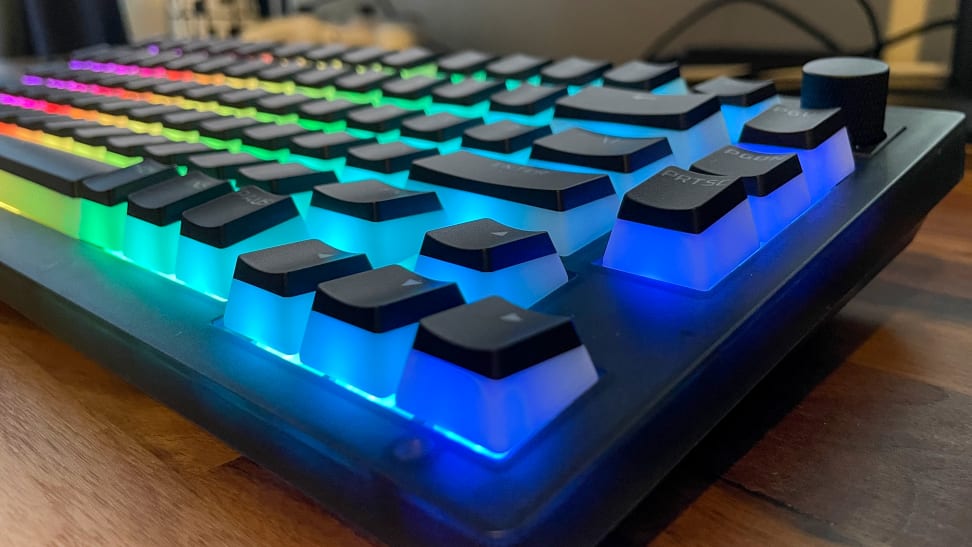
{"x": 573, "y": 482}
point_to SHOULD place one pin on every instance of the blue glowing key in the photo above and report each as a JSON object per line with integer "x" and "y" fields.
{"x": 574, "y": 208}
{"x": 775, "y": 184}
{"x": 659, "y": 78}
{"x": 573, "y": 71}
{"x": 627, "y": 161}
{"x": 384, "y": 222}
{"x": 494, "y": 373}
{"x": 104, "y": 202}
{"x": 505, "y": 140}
{"x": 287, "y": 179}
{"x": 741, "y": 100}
{"x": 684, "y": 228}
{"x": 516, "y": 67}
{"x": 488, "y": 258}
{"x": 273, "y": 289}
{"x": 154, "y": 218}
{"x": 362, "y": 326}
{"x": 527, "y": 104}
{"x": 442, "y": 130}
{"x": 818, "y": 137}
{"x": 692, "y": 124}
{"x": 465, "y": 98}
{"x": 215, "y": 233}
{"x": 387, "y": 162}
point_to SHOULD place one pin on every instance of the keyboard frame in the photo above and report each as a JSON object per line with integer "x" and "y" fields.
{"x": 573, "y": 482}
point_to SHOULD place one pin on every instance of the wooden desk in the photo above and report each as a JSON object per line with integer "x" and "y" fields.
{"x": 864, "y": 436}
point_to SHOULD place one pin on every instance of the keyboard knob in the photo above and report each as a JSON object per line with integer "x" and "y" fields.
{"x": 859, "y": 86}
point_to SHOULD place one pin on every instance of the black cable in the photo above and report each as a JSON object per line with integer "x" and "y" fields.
{"x": 875, "y": 28}
{"x": 708, "y": 8}
{"x": 916, "y": 31}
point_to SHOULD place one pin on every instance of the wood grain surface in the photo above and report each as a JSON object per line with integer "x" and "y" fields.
{"x": 862, "y": 437}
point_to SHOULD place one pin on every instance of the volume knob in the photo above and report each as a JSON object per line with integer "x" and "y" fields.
{"x": 858, "y": 85}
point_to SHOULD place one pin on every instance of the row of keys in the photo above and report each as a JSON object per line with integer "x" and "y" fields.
{"x": 389, "y": 333}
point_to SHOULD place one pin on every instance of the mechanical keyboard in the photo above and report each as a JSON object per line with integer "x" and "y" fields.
{"x": 457, "y": 298}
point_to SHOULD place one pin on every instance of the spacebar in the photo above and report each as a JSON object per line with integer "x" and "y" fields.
{"x": 54, "y": 169}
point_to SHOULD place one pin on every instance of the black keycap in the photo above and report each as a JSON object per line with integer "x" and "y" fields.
{"x": 121, "y": 108}
{"x": 527, "y": 99}
{"x": 517, "y": 66}
{"x": 60, "y": 97}
{"x": 283, "y": 178}
{"x": 465, "y": 62}
{"x": 408, "y": 58}
{"x": 271, "y": 136}
{"x": 439, "y": 127}
{"x": 362, "y": 82}
{"x": 187, "y": 61}
{"x": 255, "y": 48}
{"x": 113, "y": 188}
{"x": 218, "y": 47}
{"x": 364, "y": 56}
{"x": 133, "y": 58}
{"x": 379, "y": 119}
{"x": 283, "y": 73}
{"x": 196, "y": 46}
{"x": 545, "y": 188}
{"x": 373, "y": 200}
{"x": 681, "y": 200}
{"x": 242, "y": 98}
{"x": 98, "y": 136}
{"x": 494, "y": 338}
{"x": 327, "y": 111}
{"x": 159, "y": 59}
{"x": 466, "y": 92}
{"x": 760, "y": 173}
{"x": 236, "y": 216}
{"x": 225, "y": 127}
{"x": 326, "y": 146}
{"x": 174, "y": 89}
{"x": 153, "y": 113}
{"x": 222, "y": 165}
{"x": 245, "y": 69}
{"x": 176, "y": 153}
{"x": 287, "y": 51}
{"x": 86, "y": 101}
{"x": 389, "y": 157}
{"x": 187, "y": 120}
{"x": 52, "y": 169}
{"x": 67, "y": 128}
{"x": 503, "y": 137}
{"x": 573, "y": 71}
{"x": 412, "y": 88}
{"x": 37, "y": 120}
{"x": 163, "y": 203}
{"x": 327, "y": 53}
{"x": 589, "y": 149}
{"x": 637, "y": 108}
{"x": 641, "y": 75}
{"x": 297, "y": 268}
{"x": 282, "y": 104}
{"x": 321, "y": 77}
{"x": 134, "y": 145}
{"x": 384, "y": 299}
{"x": 207, "y": 92}
{"x": 214, "y": 65}
{"x": 793, "y": 127}
{"x": 144, "y": 84}
{"x": 486, "y": 245}
{"x": 112, "y": 80}
{"x": 737, "y": 92}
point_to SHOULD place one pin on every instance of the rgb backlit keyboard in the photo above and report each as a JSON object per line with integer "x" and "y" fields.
{"x": 455, "y": 297}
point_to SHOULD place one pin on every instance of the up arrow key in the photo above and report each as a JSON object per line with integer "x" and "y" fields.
{"x": 499, "y": 234}
{"x": 411, "y": 283}
{"x": 324, "y": 256}
{"x": 512, "y": 317}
